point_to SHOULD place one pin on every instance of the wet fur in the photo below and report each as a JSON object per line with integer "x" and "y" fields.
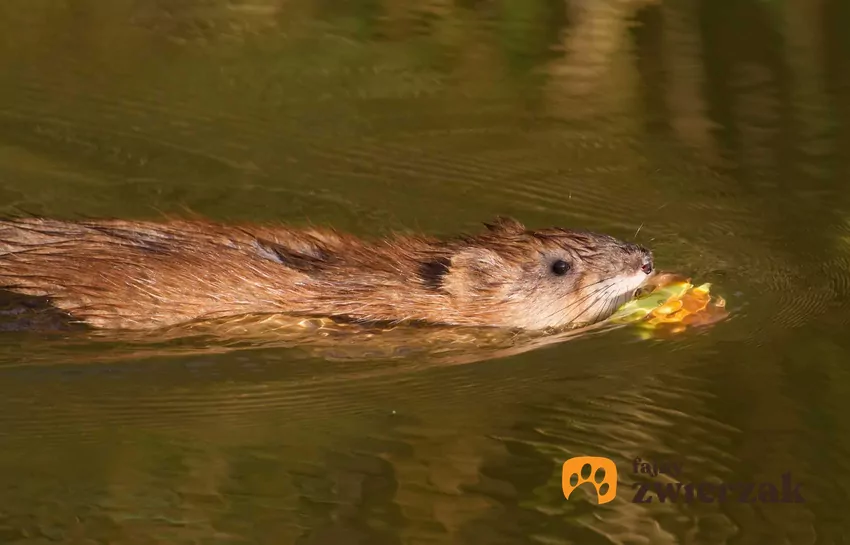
{"x": 142, "y": 275}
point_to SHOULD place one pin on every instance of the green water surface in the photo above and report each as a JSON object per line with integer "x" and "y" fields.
{"x": 716, "y": 132}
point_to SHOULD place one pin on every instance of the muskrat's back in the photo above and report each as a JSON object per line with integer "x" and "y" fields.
{"x": 140, "y": 275}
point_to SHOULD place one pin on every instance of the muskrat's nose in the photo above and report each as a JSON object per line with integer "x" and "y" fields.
{"x": 637, "y": 252}
{"x": 646, "y": 265}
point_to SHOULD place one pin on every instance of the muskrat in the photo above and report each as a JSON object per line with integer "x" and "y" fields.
{"x": 116, "y": 274}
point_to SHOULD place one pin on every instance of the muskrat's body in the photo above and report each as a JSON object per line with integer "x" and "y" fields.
{"x": 142, "y": 275}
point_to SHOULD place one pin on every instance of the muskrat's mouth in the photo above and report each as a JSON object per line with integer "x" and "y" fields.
{"x": 618, "y": 292}
{"x": 643, "y": 290}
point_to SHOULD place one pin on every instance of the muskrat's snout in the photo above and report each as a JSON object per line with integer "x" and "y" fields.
{"x": 640, "y": 257}
{"x": 640, "y": 261}
{"x": 646, "y": 261}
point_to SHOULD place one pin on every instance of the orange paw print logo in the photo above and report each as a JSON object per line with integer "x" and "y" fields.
{"x": 600, "y": 472}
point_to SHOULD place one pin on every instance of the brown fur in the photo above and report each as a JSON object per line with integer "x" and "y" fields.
{"x": 141, "y": 275}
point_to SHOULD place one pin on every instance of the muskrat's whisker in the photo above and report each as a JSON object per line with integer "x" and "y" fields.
{"x": 593, "y": 304}
{"x": 611, "y": 302}
{"x": 611, "y": 306}
{"x": 576, "y": 290}
{"x": 580, "y": 288}
{"x": 594, "y": 295}
{"x": 558, "y": 301}
{"x": 574, "y": 303}
{"x": 566, "y": 309}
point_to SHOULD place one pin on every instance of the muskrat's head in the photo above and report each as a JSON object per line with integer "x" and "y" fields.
{"x": 545, "y": 278}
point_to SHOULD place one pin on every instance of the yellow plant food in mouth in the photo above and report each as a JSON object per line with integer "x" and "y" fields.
{"x": 672, "y": 307}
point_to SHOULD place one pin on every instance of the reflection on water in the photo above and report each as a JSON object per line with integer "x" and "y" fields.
{"x": 713, "y": 131}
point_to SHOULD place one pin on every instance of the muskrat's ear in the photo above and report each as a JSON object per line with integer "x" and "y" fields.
{"x": 504, "y": 224}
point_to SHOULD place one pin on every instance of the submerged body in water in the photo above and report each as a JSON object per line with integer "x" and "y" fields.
{"x": 116, "y": 274}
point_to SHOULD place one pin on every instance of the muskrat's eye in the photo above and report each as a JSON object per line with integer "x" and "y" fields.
{"x": 560, "y": 267}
